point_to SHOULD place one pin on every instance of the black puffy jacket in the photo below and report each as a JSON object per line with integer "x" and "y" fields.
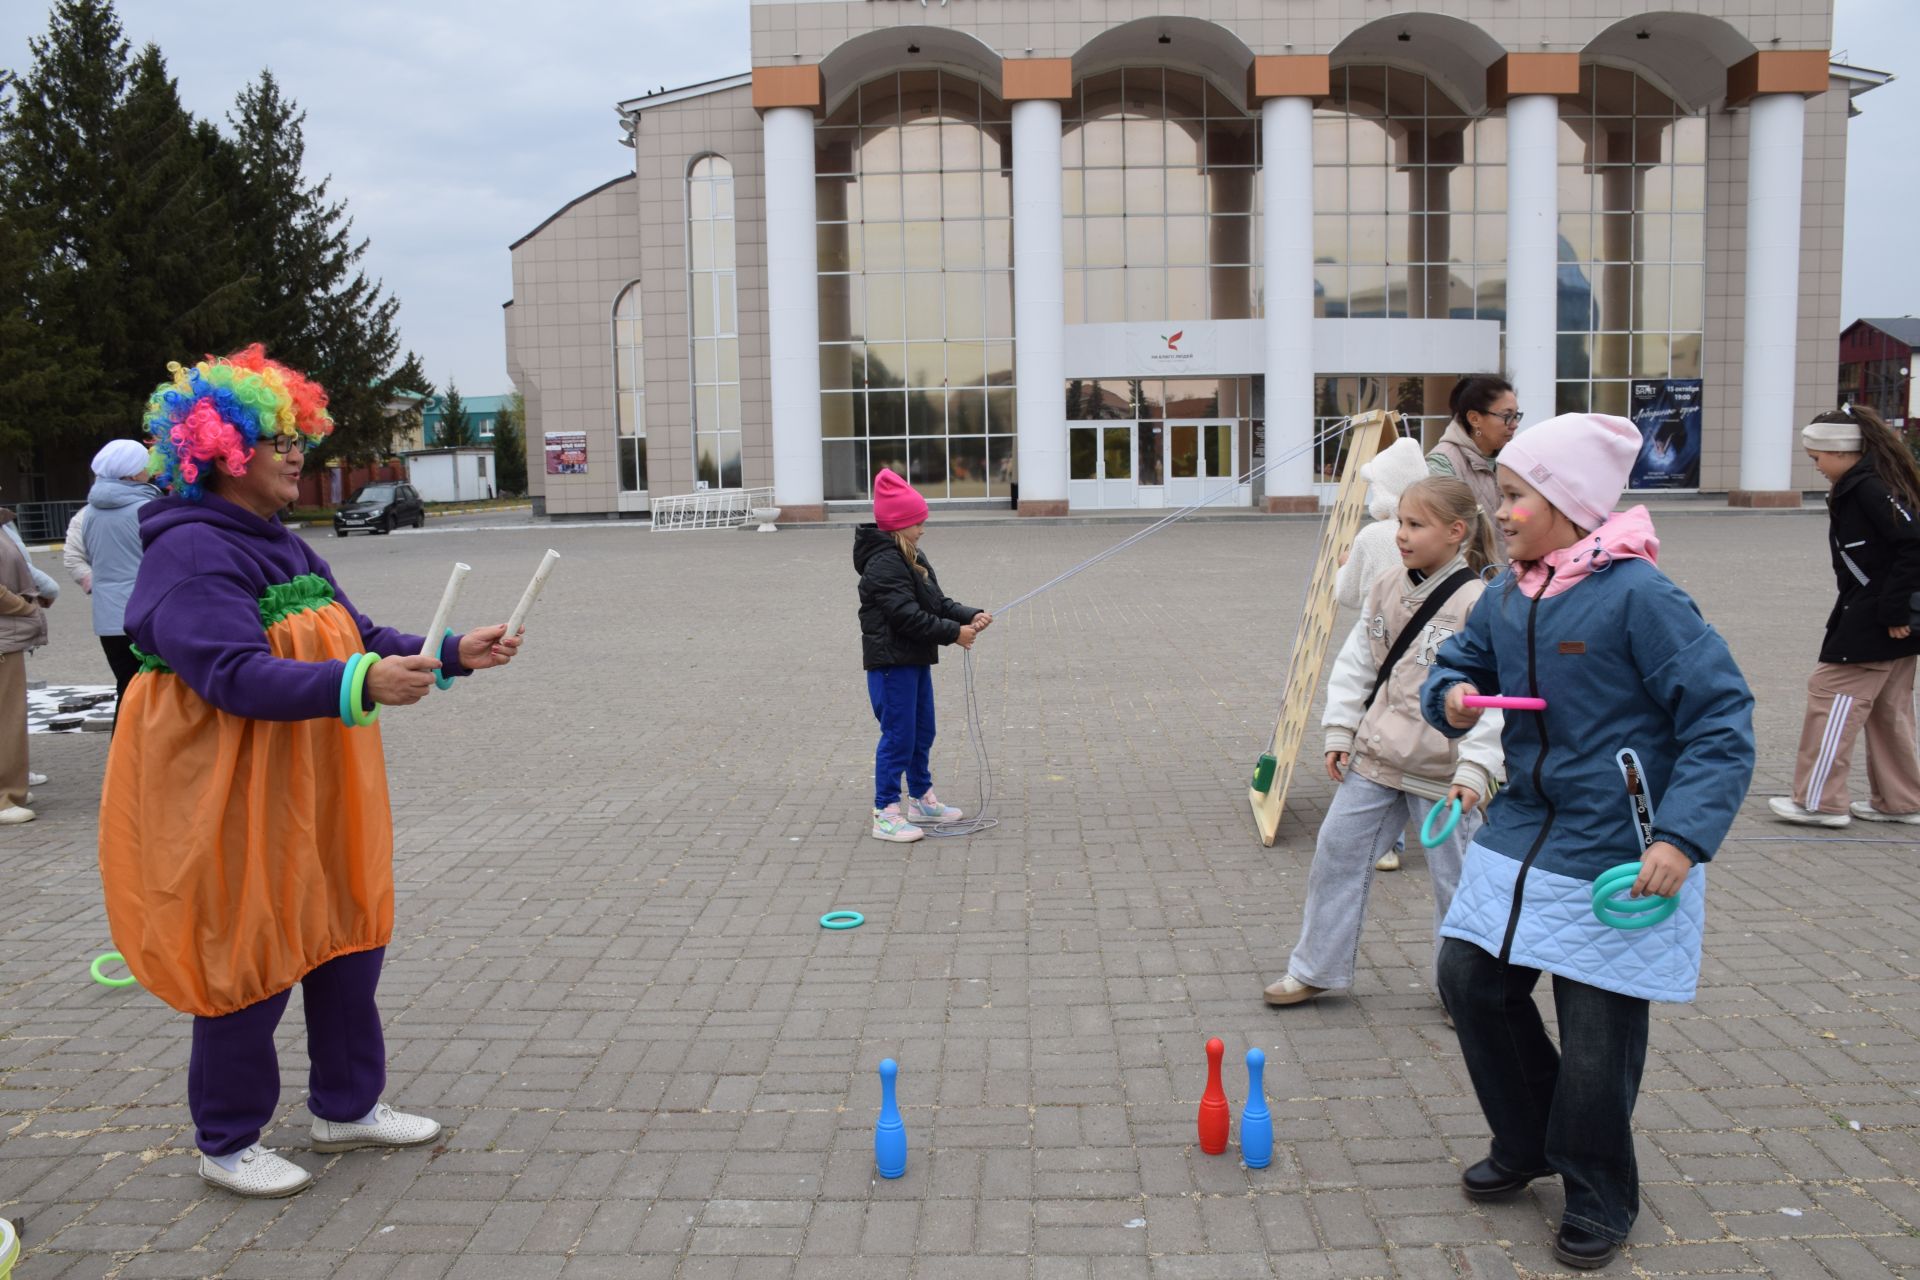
{"x": 1876, "y": 563}
{"x": 904, "y": 619}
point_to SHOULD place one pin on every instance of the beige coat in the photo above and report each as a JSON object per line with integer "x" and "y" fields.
{"x": 1458, "y": 456}
{"x": 23, "y": 623}
{"x": 1391, "y": 742}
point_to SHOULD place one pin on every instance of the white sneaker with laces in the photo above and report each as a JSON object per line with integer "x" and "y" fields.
{"x": 15, "y": 814}
{"x": 1866, "y": 812}
{"x": 1787, "y": 811}
{"x": 36, "y": 779}
{"x": 891, "y": 826}
{"x": 259, "y": 1173}
{"x": 383, "y": 1127}
{"x": 928, "y": 809}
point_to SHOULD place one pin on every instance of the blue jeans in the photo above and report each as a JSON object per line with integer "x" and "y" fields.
{"x": 1569, "y": 1110}
{"x": 903, "y": 703}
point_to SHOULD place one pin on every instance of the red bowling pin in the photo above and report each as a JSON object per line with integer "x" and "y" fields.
{"x": 1215, "y": 1118}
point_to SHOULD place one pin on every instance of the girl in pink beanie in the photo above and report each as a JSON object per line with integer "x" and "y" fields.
{"x": 904, "y": 619}
{"x": 1642, "y": 755}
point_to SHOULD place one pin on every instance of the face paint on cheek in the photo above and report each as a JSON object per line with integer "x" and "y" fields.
{"x": 1522, "y": 514}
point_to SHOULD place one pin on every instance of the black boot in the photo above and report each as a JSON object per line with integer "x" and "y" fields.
{"x": 1488, "y": 1181}
{"x": 1578, "y": 1247}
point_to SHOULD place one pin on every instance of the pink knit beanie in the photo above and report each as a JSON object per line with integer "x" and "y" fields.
{"x": 1578, "y": 461}
{"x": 895, "y": 504}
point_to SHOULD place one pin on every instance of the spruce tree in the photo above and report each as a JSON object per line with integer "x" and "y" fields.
{"x": 510, "y": 446}
{"x": 456, "y": 429}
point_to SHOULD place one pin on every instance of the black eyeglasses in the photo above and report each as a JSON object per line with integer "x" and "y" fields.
{"x": 286, "y": 444}
{"x": 1511, "y": 417}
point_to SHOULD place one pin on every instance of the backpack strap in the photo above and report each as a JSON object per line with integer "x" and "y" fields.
{"x": 1404, "y": 641}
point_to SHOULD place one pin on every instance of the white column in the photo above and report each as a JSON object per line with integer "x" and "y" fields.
{"x": 1533, "y": 250}
{"x": 1286, "y": 254}
{"x": 1776, "y": 132}
{"x": 1039, "y": 315}
{"x": 793, "y": 309}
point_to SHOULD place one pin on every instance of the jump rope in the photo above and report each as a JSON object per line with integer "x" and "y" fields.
{"x": 982, "y": 819}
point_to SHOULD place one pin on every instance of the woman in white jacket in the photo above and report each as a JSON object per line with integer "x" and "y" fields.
{"x": 74, "y": 556}
{"x": 1391, "y": 766}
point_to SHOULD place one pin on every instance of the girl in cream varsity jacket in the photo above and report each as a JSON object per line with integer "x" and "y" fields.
{"x": 1391, "y": 766}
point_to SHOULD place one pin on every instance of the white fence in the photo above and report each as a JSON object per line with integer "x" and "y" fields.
{"x": 709, "y": 509}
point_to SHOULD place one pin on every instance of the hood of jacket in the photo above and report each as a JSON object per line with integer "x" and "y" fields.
{"x": 869, "y": 542}
{"x": 110, "y": 495}
{"x": 164, "y": 514}
{"x": 1627, "y": 535}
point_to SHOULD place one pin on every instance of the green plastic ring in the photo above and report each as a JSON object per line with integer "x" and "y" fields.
{"x": 441, "y": 680}
{"x": 346, "y": 689}
{"x": 357, "y": 701}
{"x": 105, "y": 981}
{"x": 842, "y": 920}
{"x": 1427, "y": 837}
{"x": 1628, "y": 913}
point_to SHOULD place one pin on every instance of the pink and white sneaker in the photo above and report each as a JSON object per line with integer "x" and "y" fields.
{"x": 927, "y": 809}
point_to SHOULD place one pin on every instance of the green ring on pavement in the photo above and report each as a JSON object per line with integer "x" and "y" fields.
{"x": 1427, "y": 837}
{"x": 105, "y": 981}
{"x": 842, "y": 920}
{"x": 1628, "y": 913}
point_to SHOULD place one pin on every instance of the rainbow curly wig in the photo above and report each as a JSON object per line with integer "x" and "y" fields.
{"x": 220, "y": 408}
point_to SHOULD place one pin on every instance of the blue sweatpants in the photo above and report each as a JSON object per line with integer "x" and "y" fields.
{"x": 903, "y": 703}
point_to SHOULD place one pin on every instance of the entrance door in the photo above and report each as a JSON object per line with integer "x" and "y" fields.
{"x": 1203, "y": 459}
{"x": 1100, "y": 466}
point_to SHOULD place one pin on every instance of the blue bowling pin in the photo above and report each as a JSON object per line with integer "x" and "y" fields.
{"x": 889, "y": 1134}
{"x": 1256, "y": 1122}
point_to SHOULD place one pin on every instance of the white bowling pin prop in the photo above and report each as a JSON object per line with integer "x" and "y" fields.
{"x": 532, "y": 593}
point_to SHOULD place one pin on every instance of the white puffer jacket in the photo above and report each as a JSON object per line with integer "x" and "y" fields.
{"x": 1390, "y": 474}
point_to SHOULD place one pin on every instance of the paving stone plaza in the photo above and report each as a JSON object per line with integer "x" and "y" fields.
{"x": 608, "y": 977}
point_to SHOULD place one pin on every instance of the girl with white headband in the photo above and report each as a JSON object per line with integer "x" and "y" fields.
{"x": 1864, "y": 680}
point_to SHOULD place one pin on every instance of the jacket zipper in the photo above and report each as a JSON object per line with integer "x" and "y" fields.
{"x": 1539, "y": 763}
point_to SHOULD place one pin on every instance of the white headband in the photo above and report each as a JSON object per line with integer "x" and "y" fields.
{"x": 1831, "y": 437}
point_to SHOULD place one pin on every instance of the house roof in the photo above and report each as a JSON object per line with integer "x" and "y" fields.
{"x": 1902, "y": 329}
{"x": 473, "y": 404}
{"x": 584, "y": 195}
{"x": 662, "y": 96}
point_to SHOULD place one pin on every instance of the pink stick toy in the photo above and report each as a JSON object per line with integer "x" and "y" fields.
{"x": 1500, "y": 702}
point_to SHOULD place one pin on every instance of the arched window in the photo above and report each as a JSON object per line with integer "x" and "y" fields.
{"x": 713, "y": 329}
{"x": 916, "y": 288}
{"x": 1633, "y": 189}
{"x": 1160, "y": 195}
{"x": 630, "y": 389}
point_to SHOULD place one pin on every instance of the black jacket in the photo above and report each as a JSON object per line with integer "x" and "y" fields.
{"x": 903, "y": 617}
{"x": 1876, "y": 562}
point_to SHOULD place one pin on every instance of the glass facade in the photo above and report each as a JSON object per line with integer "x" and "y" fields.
{"x": 1160, "y": 193}
{"x": 1632, "y": 295}
{"x": 713, "y": 333}
{"x": 916, "y": 288}
{"x": 630, "y": 389}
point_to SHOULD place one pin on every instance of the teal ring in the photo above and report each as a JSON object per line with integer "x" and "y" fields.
{"x": 1628, "y": 913}
{"x": 842, "y": 920}
{"x": 346, "y": 688}
{"x": 441, "y": 680}
{"x": 1427, "y": 837}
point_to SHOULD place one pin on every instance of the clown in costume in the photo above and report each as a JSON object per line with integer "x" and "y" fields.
{"x": 245, "y": 840}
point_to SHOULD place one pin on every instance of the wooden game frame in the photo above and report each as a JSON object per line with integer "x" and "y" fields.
{"x": 1371, "y": 432}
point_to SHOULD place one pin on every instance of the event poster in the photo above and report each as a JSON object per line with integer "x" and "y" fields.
{"x": 1667, "y": 411}
{"x": 566, "y": 453}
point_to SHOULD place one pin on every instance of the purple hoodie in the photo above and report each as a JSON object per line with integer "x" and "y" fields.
{"x": 196, "y": 606}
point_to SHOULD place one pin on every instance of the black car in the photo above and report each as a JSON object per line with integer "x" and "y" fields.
{"x": 380, "y": 508}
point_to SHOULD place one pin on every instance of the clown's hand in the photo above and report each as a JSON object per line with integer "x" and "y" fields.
{"x": 489, "y": 647}
{"x": 401, "y": 681}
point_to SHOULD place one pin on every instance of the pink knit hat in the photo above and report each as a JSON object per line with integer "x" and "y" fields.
{"x": 895, "y": 504}
{"x": 1578, "y": 461}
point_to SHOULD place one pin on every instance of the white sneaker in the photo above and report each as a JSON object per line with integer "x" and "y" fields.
{"x": 1787, "y": 811}
{"x": 1389, "y": 861}
{"x": 16, "y": 814}
{"x": 388, "y": 1128}
{"x": 888, "y": 824}
{"x": 1866, "y": 812}
{"x": 928, "y": 808}
{"x": 36, "y": 779}
{"x": 260, "y": 1174}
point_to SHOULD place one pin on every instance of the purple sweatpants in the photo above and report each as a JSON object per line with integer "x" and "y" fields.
{"x": 233, "y": 1075}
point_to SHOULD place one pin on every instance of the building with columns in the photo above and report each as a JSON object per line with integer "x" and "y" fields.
{"x": 1068, "y": 254}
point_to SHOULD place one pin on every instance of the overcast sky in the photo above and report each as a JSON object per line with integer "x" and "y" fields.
{"x": 452, "y": 129}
